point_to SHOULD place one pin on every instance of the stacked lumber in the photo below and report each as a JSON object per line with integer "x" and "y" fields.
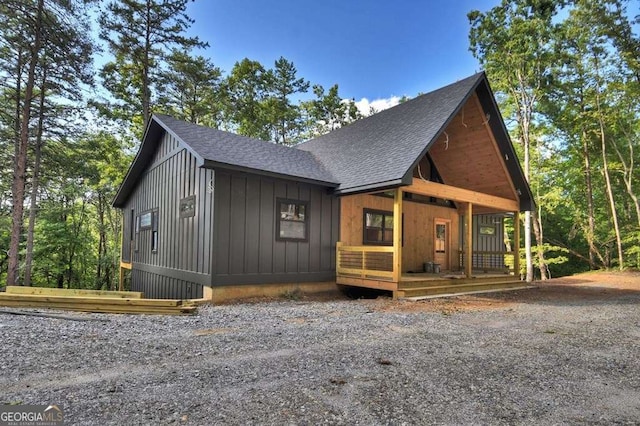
{"x": 92, "y": 301}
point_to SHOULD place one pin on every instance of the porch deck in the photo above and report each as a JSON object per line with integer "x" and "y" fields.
{"x": 423, "y": 285}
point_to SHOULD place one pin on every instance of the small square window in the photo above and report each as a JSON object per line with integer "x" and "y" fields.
{"x": 292, "y": 220}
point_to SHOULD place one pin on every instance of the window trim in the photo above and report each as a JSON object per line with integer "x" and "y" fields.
{"x": 366, "y": 242}
{"x": 384, "y": 213}
{"x": 305, "y": 203}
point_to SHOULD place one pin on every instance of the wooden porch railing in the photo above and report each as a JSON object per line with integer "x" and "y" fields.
{"x": 364, "y": 261}
{"x": 490, "y": 260}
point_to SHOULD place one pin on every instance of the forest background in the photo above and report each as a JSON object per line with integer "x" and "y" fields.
{"x": 566, "y": 75}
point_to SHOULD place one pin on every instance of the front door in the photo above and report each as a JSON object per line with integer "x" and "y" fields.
{"x": 441, "y": 243}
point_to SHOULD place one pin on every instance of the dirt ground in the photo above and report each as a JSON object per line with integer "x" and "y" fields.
{"x": 589, "y": 286}
{"x": 580, "y": 287}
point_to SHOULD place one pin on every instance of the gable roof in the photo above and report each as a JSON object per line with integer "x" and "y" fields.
{"x": 377, "y": 152}
{"x": 213, "y": 147}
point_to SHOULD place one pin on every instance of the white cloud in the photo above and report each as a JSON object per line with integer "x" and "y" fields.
{"x": 364, "y": 105}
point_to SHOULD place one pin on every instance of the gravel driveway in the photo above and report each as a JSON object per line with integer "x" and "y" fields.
{"x": 529, "y": 357}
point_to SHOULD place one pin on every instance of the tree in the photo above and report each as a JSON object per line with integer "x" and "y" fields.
{"x": 328, "y": 111}
{"x": 284, "y": 117}
{"x": 41, "y": 30}
{"x": 512, "y": 42}
{"x": 140, "y": 34}
{"x": 244, "y": 92}
{"x": 190, "y": 89}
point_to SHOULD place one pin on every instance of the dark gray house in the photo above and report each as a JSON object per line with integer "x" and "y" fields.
{"x": 213, "y": 215}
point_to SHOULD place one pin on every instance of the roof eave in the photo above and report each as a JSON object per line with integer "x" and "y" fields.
{"x": 210, "y": 164}
{"x": 378, "y": 186}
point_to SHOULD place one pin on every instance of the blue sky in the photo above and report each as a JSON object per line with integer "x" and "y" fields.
{"x": 373, "y": 49}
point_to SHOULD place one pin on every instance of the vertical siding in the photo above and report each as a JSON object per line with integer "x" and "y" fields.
{"x": 184, "y": 244}
{"x": 487, "y": 243}
{"x": 246, "y": 250}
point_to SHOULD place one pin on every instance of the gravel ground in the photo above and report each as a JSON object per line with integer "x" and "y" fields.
{"x": 534, "y": 357}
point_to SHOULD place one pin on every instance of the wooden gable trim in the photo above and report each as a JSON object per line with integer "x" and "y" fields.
{"x": 494, "y": 144}
{"x": 447, "y": 192}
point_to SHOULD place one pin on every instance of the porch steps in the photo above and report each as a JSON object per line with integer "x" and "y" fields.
{"x": 454, "y": 282}
{"x": 453, "y": 289}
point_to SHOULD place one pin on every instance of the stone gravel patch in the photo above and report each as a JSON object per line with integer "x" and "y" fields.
{"x": 525, "y": 358}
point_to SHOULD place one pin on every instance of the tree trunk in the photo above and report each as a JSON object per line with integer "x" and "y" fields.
{"x": 628, "y": 174}
{"x": 537, "y": 230}
{"x": 102, "y": 243}
{"x": 20, "y": 163}
{"x": 35, "y": 183}
{"x": 591, "y": 231}
{"x": 607, "y": 178}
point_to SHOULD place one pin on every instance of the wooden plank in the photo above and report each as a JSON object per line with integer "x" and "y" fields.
{"x": 98, "y": 304}
{"x": 368, "y": 283}
{"x": 516, "y": 243}
{"x": 447, "y": 192}
{"x": 72, "y": 292}
{"x": 93, "y": 300}
{"x": 468, "y": 241}
{"x": 397, "y": 235}
{"x": 373, "y": 249}
{"x": 365, "y": 272}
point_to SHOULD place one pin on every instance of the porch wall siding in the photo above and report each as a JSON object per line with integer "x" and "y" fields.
{"x": 418, "y": 227}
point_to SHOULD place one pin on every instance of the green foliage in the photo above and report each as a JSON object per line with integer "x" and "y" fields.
{"x": 580, "y": 90}
{"x": 140, "y": 35}
{"x": 328, "y": 111}
{"x": 190, "y": 89}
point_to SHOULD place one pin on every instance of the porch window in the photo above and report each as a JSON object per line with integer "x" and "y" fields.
{"x": 293, "y": 220}
{"x": 378, "y": 227}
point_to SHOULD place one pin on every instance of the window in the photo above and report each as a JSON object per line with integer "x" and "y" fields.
{"x": 154, "y": 231}
{"x": 144, "y": 222}
{"x": 188, "y": 206}
{"x": 293, "y": 219}
{"x": 378, "y": 227}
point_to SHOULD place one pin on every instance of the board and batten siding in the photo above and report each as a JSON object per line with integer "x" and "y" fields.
{"x": 180, "y": 266}
{"x": 246, "y": 250}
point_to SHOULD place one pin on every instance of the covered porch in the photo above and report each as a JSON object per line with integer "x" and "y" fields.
{"x": 410, "y": 267}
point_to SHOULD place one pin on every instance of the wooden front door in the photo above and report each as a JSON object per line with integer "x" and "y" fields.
{"x": 441, "y": 243}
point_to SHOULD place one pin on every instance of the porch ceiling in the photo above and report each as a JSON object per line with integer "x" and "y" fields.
{"x": 467, "y": 156}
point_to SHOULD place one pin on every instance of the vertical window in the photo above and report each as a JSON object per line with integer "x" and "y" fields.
{"x": 441, "y": 237}
{"x": 378, "y": 227}
{"x": 292, "y": 220}
{"x": 147, "y": 221}
{"x": 136, "y": 244}
{"x": 154, "y": 231}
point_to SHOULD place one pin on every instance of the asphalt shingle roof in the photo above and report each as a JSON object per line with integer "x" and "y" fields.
{"x": 383, "y": 147}
{"x": 375, "y": 152}
{"x": 241, "y": 151}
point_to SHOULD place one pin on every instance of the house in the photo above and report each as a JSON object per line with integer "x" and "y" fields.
{"x": 424, "y": 186}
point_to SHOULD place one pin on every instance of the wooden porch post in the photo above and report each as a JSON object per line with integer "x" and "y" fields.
{"x": 516, "y": 244}
{"x": 121, "y": 284}
{"x": 397, "y": 235}
{"x": 468, "y": 239}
